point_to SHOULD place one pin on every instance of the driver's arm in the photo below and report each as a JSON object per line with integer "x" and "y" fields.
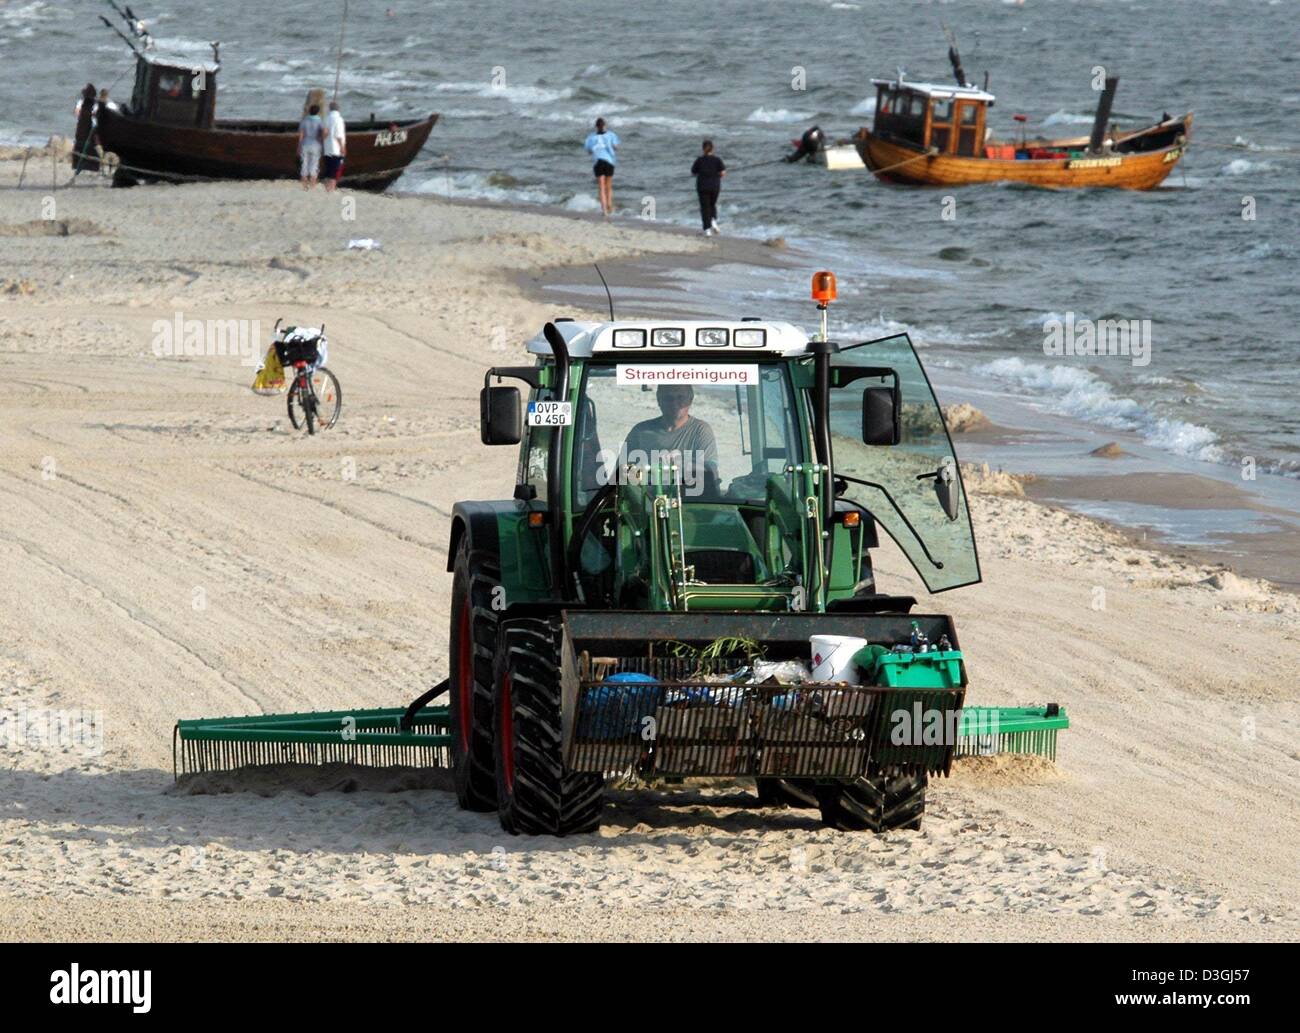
{"x": 708, "y": 448}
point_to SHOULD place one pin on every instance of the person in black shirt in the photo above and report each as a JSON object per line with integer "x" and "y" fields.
{"x": 708, "y": 171}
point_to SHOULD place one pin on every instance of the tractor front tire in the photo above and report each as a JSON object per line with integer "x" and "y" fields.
{"x": 472, "y": 643}
{"x": 787, "y": 792}
{"x": 536, "y": 794}
{"x": 876, "y": 802}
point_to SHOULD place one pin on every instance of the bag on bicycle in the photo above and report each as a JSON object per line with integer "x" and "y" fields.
{"x": 270, "y": 375}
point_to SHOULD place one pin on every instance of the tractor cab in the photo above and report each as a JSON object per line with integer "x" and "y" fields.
{"x": 175, "y": 92}
{"x": 727, "y": 465}
{"x": 949, "y": 119}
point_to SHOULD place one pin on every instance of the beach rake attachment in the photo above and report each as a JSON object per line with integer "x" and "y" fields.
{"x": 398, "y": 737}
{"x": 988, "y": 731}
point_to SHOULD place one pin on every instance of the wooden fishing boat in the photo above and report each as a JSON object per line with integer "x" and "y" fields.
{"x": 169, "y": 132}
{"x": 935, "y": 135}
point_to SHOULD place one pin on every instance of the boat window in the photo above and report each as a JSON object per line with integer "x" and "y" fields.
{"x": 918, "y": 106}
{"x": 941, "y": 111}
{"x": 173, "y": 85}
{"x": 175, "y": 99}
{"x": 968, "y": 129}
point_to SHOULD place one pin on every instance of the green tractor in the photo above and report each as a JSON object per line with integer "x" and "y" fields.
{"x": 682, "y": 586}
{"x": 694, "y": 502}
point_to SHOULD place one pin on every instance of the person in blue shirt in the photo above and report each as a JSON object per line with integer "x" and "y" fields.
{"x": 602, "y": 145}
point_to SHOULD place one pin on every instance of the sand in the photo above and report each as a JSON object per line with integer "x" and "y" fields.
{"x": 170, "y": 548}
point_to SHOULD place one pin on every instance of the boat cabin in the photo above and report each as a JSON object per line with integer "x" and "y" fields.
{"x": 175, "y": 92}
{"x": 950, "y": 119}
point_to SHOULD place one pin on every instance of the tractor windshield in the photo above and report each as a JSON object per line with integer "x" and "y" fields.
{"x": 912, "y": 488}
{"x": 727, "y": 427}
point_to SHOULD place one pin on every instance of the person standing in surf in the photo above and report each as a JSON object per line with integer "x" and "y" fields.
{"x": 708, "y": 171}
{"x": 602, "y": 145}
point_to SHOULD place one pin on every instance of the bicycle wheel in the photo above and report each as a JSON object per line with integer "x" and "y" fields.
{"x": 329, "y": 397}
{"x": 297, "y": 406}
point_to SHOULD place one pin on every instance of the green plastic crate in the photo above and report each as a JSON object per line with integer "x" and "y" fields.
{"x": 937, "y": 669}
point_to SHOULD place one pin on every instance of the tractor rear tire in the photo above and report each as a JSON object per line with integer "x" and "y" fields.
{"x": 876, "y": 802}
{"x": 472, "y": 644}
{"x": 536, "y": 794}
{"x": 787, "y": 792}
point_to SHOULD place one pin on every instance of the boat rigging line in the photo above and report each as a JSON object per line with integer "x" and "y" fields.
{"x": 338, "y": 65}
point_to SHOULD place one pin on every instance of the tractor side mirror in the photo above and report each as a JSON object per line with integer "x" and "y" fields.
{"x": 881, "y": 408}
{"x": 500, "y": 422}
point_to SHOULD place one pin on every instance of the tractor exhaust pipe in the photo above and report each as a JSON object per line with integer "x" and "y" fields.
{"x": 555, "y": 504}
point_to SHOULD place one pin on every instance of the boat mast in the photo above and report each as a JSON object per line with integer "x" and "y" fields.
{"x": 954, "y": 57}
{"x": 338, "y": 66}
{"x": 1103, "y": 114}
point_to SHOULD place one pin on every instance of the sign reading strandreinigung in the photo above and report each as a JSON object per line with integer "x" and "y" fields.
{"x": 722, "y": 375}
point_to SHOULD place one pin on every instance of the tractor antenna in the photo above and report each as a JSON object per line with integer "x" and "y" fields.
{"x": 608, "y": 295}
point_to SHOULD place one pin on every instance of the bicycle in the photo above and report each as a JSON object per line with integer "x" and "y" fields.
{"x": 315, "y": 397}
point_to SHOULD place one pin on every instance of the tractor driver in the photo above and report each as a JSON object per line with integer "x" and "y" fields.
{"x": 677, "y": 431}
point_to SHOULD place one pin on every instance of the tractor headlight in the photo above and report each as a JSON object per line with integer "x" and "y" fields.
{"x": 629, "y": 338}
{"x": 711, "y": 337}
{"x": 749, "y": 338}
{"x": 665, "y": 338}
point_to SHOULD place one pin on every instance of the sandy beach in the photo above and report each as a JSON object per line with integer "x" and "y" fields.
{"x": 172, "y": 548}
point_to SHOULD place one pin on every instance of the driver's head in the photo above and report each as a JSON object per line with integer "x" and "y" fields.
{"x": 675, "y": 400}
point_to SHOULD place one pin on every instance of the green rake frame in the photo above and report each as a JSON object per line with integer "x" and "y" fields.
{"x": 407, "y": 737}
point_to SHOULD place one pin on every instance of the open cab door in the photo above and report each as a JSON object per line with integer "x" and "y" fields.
{"x": 890, "y": 446}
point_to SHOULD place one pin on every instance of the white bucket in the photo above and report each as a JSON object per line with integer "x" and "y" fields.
{"x": 832, "y": 657}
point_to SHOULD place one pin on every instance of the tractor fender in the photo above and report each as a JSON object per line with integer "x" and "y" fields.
{"x": 478, "y": 520}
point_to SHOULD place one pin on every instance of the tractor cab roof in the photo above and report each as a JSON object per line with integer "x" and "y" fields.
{"x": 719, "y": 337}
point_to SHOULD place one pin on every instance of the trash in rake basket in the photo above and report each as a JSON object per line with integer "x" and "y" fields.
{"x": 619, "y": 705}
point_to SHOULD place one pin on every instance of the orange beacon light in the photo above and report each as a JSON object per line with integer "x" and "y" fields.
{"x": 823, "y": 287}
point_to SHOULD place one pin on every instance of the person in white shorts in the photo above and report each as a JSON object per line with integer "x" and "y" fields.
{"x": 336, "y": 146}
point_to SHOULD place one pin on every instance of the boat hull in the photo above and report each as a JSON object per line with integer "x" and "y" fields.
{"x": 1141, "y": 170}
{"x": 378, "y": 153}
